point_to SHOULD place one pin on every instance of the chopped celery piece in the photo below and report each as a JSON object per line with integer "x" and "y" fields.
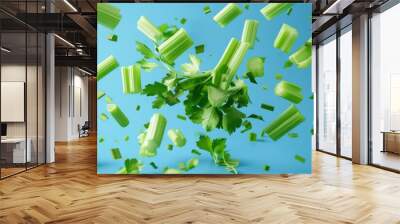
{"x": 227, "y": 14}
{"x": 118, "y": 115}
{"x": 112, "y": 37}
{"x": 300, "y": 158}
{"x": 249, "y": 32}
{"x": 199, "y": 49}
{"x": 255, "y": 66}
{"x": 126, "y": 138}
{"x": 181, "y": 117}
{"x": 131, "y": 82}
{"x": 289, "y": 11}
{"x": 266, "y": 168}
{"x": 206, "y": 9}
{"x": 192, "y": 163}
{"x": 171, "y": 171}
{"x": 132, "y": 166}
{"x": 108, "y": 15}
{"x": 288, "y": 64}
{"x": 312, "y": 131}
{"x": 289, "y": 91}
{"x": 101, "y": 139}
{"x": 170, "y": 147}
{"x": 278, "y": 76}
{"x": 222, "y": 65}
{"x": 177, "y": 137}
{"x": 302, "y": 57}
{"x": 106, "y": 66}
{"x": 293, "y": 135}
{"x": 252, "y": 136}
{"x": 284, "y": 123}
{"x": 103, "y": 117}
{"x": 274, "y": 9}
{"x": 267, "y": 107}
{"x": 137, "y": 107}
{"x": 154, "y": 135}
{"x": 175, "y": 46}
{"x": 247, "y": 126}
{"x": 183, "y": 21}
{"x": 100, "y": 94}
{"x": 148, "y": 29}
{"x": 286, "y": 38}
{"x": 217, "y": 97}
{"x": 116, "y": 154}
{"x": 246, "y": 6}
{"x": 108, "y": 99}
{"x": 153, "y": 164}
{"x": 234, "y": 63}
{"x": 194, "y": 151}
{"x": 141, "y": 137}
{"x": 258, "y": 117}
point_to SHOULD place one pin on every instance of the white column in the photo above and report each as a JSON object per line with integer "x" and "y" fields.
{"x": 360, "y": 90}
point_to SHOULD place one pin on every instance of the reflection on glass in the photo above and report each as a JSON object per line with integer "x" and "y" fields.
{"x": 385, "y": 83}
{"x": 327, "y": 96}
{"x": 346, "y": 94}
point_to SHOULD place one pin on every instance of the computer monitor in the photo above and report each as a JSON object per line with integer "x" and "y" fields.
{"x": 3, "y": 129}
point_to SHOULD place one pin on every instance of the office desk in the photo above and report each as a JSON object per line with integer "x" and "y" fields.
{"x": 391, "y": 141}
{"x": 16, "y": 147}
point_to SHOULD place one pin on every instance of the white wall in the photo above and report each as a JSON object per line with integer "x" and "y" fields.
{"x": 70, "y": 83}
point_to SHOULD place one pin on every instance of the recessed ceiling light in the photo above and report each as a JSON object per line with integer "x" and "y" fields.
{"x": 70, "y": 5}
{"x": 5, "y": 50}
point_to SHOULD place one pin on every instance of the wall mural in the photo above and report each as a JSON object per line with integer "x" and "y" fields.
{"x": 204, "y": 88}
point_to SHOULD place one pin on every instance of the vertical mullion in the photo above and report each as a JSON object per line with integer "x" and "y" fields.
{"x": 0, "y": 96}
{"x": 338, "y": 77}
{"x": 317, "y": 96}
{"x": 26, "y": 86}
{"x": 37, "y": 89}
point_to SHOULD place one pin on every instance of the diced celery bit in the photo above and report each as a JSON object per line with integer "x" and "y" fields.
{"x": 227, "y": 14}
{"x": 286, "y": 38}
{"x": 300, "y": 158}
{"x": 177, "y": 137}
{"x": 126, "y": 138}
{"x": 100, "y": 94}
{"x": 192, "y": 163}
{"x": 206, "y": 9}
{"x": 106, "y": 66}
{"x": 285, "y": 122}
{"x": 267, "y": 107}
{"x": 148, "y": 29}
{"x": 252, "y": 136}
{"x": 183, "y": 21}
{"x": 103, "y": 117}
{"x": 266, "y": 168}
{"x": 171, "y": 171}
{"x": 153, "y": 164}
{"x": 289, "y": 91}
{"x": 154, "y": 135}
{"x": 112, "y": 37}
{"x": 181, "y": 117}
{"x": 101, "y": 139}
{"x": 170, "y": 147}
{"x": 116, "y": 154}
{"x": 199, "y": 49}
{"x": 108, "y": 15}
{"x": 137, "y": 107}
{"x": 132, "y": 166}
{"x": 255, "y": 65}
{"x": 249, "y": 32}
{"x": 293, "y": 135}
{"x": 118, "y": 115}
{"x": 195, "y": 152}
{"x": 273, "y": 9}
{"x": 278, "y": 76}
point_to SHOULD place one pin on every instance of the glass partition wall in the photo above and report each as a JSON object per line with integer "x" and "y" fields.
{"x": 22, "y": 77}
{"x": 334, "y": 94}
{"x": 385, "y": 90}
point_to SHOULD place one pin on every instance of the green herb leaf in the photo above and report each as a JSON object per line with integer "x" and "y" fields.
{"x": 103, "y": 117}
{"x": 288, "y": 64}
{"x": 247, "y": 126}
{"x": 266, "y": 168}
{"x": 132, "y": 166}
{"x": 183, "y": 21}
{"x": 146, "y": 65}
{"x": 232, "y": 119}
{"x": 194, "y": 151}
{"x": 154, "y": 89}
{"x": 217, "y": 97}
{"x": 206, "y": 9}
{"x": 153, "y": 164}
{"x": 144, "y": 50}
{"x": 100, "y": 94}
{"x": 199, "y": 49}
{"x": 210, "y": 118}
{"x": 267, "y": 107}
{"x": 278, "y": 76}
{"x": 252, "y": 137}
{"x": 293, "y": 135}
{"x": 137, "y": 107}
{"x": 170, "y": 147}
{"x": 300, "y": 158}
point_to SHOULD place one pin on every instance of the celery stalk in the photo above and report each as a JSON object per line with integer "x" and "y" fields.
{"x": 148, "y": 29}
{"x": 154, "y": 135}
{"x": 234, "y": 63}
{"x": 131, "y": 82}
{"x": 284, "y": 123}
{"x": 286, "y": 38}
{"x": 274, "y": 9}
{"x": 302, "y": 57}
{"x": 221, "y": 67}
{"x": 177, "y": 137}
{"x": 175, "y": 46}
{"x": 112, "y": 37}
{"x": 289, "y": 91}
{"x": 116, "y": 154}
{"x": 227, "y": 14}
{"x": 118, "y": 115}
{"x": 108, "y": 15}
{"x": 249, "y": 32}
{"x": 106, "y": 66}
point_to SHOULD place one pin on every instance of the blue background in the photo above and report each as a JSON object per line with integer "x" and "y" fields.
{"x": 253, "y": 156}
